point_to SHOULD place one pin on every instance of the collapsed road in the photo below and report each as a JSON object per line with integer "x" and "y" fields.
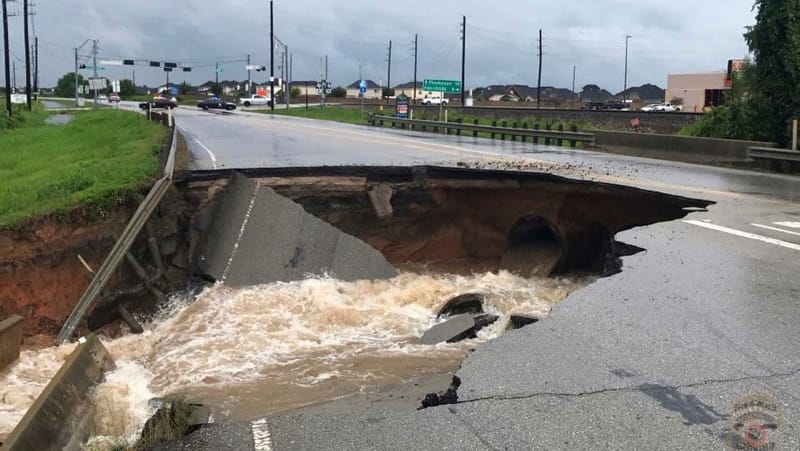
{"x": 655, "y": 356}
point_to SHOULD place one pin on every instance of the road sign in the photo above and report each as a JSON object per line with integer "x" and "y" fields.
{"x": 173, "y": 90}
{"x": 99, "y": 68}
{"x": 441, "y": 85}
{"x": 97, "y": 83}
{"x": 219, "y": 71}
{"x": 112, "y": 62}
{"x": 362, "y": 86}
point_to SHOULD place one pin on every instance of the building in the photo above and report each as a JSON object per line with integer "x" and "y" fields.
{"x": 408, "y": 90}
{"x": 698, "y": 91}
{"x": 306, "y": 87}
{"x": 373, "y": 90}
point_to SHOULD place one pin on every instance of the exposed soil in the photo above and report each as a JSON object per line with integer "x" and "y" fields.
{"x": 41, "y": 278}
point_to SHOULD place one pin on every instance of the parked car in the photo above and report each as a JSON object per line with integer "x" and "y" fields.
{"x": 216, "y": 104}
{"x": 160, "y": 102}
{"x": 256, "y": 100}
{"x": 650, "y": 107}
{"x": 435, "y": 100}
{"x": 113, "y": 97}
{"x": 102, "y": 97}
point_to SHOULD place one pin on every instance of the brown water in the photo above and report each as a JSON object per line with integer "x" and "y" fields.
{"x": 281, "y": 346}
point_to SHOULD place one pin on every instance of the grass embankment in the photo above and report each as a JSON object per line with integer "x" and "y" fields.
{"x": 328, "y": 113}
{"x": 354, "y": 116}
{"x": 98, "y": 161}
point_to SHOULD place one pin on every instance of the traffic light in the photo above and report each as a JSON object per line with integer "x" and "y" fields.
{"x": 187, "y": 69}
{"x": 82, "y": 66}
{"x": 261, "y": 69}
{"x": 127, "y": 62}
{"x": 155, "y": 63}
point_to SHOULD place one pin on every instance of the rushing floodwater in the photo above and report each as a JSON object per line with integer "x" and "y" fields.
{"x": 280, "y": 346}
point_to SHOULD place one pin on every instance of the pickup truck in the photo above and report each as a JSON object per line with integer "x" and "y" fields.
{"x": 255, "y": 100}
{"x": 436, "y": 100}
{"x": 667, "y": 108}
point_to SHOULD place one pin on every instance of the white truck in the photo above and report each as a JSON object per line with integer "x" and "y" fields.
{"x": 435, "y": 100}
{"x": 255, "y": 100}
{"x": 667, "y": 108}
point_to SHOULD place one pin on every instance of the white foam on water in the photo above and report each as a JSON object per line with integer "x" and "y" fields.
{"x": 290, "y": 343}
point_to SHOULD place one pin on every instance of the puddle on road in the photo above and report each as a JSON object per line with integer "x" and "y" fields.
{"x": 285, "y": 345}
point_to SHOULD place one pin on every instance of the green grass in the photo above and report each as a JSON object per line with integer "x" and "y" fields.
{"x": 328, "y": 113}
{"x": 98, "y": 161}
{"x": 353, "y": 115}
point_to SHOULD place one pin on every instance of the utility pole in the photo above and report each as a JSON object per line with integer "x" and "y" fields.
{"x": 271, "y": 57}
{"x": 625, "y": 85}
{"x": 27, "y": 55}
{"x": 291, "y": 62}
{"x": 326, "y": 67}
{"x": 416, "y": 44}
{"x": 286, "y": 83}
{"x": 389, "y": 70}
{"x": 7, "y": 52}
{"x": 36, "y": 64}
{"x": 574, "y": 72}
{"x": 14, "y": 76}
{"x": 133, "y": 75}
{"x": 76, "y": 75}
{"x": 94, "y": 62}
{"x": 463, "y": 58}
{"x": 249, "y": 90}
{"x": 216, "y": 77}
{"x": 539, "y": 83}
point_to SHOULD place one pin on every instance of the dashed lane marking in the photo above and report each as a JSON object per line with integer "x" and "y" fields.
{"x": 262, "y": 440}
{"x": 750, "y": 236}
{"x": 789, "y": 224}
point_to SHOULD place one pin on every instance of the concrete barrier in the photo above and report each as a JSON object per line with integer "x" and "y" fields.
{"x": 673, "y": 147}
{"x": 258, "y": 236}
{"x": 58, "y": 418}
{"x": 10, "y": 339}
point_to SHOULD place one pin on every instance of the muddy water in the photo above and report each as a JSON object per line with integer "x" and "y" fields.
{"x": 281, "y": 346}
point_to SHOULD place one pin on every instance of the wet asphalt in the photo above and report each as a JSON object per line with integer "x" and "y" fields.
{"x": 651, "y": 358}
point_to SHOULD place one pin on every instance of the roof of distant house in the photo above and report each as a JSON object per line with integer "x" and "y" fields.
{"x": 370, "y": 85}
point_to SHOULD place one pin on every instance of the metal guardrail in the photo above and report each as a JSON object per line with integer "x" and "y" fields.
{"x": 122, "y": 246}
{"x": 572, "y": 137}
{"x": 769, "y": 153}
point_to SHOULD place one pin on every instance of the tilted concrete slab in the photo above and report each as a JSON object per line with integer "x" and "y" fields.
{"x": 258, "y": 236}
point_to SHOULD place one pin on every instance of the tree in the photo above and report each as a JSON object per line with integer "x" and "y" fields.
{"x": 65, "y": 87}
{"x": 295, "y": 92}
{"x": 338, "y": 92}
{"x": 774, "y": 42}
{"x": 676, "y": 100}
{"x": 184, "y": 88}
{"x": 127, "y": 88}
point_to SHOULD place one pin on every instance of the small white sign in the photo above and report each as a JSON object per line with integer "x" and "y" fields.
{"x": 18, "y": 98}
{"x": 97, "y": 83}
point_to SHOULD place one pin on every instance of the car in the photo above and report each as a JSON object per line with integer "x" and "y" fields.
{"x": 113, "y": 97}
{"x": 650, "y": 107}
{"x": 435, "y": 100}
{"x": 102, "y": 97}
{"x": 160, "y": 102}
{"x": 216, "y": 104}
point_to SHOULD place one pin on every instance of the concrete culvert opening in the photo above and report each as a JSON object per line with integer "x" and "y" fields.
{"x": 534, "y": 248}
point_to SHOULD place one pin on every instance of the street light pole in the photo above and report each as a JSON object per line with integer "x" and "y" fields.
{"x": 271, "y": 58}
{"x": 625, "y": 86}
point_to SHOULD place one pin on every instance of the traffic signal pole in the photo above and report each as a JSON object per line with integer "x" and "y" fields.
{"x": 7, "y": 51}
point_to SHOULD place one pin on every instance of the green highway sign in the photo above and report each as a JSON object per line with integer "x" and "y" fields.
{"x": 441, "y": 85}
{"x": 100, "y": 68}
{"x": 217, "y": 70}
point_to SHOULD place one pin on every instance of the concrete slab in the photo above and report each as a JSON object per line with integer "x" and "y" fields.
{"x": 449, "y": 330}
{"x": 10, "y": 339}
{"x": 57, "y": 419}
{"x": 258, "y": 236}
{"x": 381, "y": 198}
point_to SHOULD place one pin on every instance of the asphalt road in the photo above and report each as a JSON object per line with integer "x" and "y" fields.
{"x": 652, "y": 358}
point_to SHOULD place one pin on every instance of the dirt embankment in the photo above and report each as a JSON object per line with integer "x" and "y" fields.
{"x": 41, "y": 277}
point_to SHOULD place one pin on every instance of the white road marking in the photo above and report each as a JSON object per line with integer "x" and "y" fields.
{"x": 262, "y": 440}
{"x": 775, "y": 229}
{"x": 790, "y": 224}
{"x": 241, "y": 231}
{"x": 208, "y": 151}
{"x": 751, "y": 236}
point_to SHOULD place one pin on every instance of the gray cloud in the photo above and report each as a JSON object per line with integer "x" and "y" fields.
{"x": 668, "y": 37}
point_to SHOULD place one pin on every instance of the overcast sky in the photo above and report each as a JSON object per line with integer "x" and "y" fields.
{"x": 668, "y": 36}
